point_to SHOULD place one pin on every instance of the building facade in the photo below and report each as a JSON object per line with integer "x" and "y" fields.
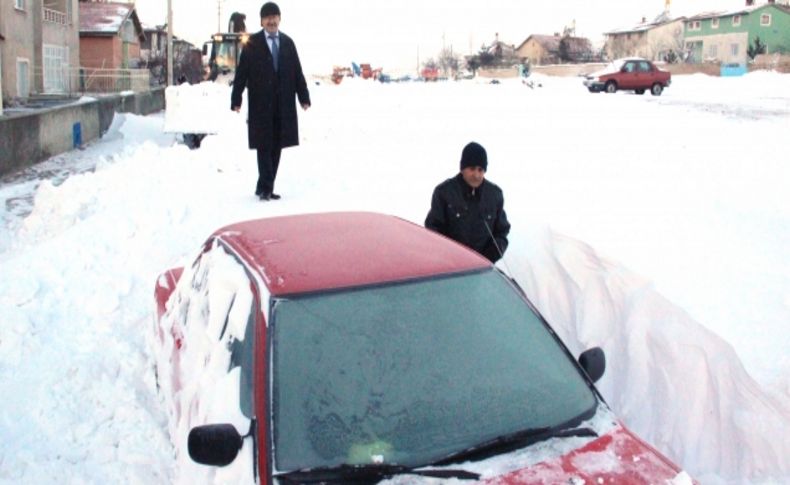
{"x": 110, "y": 35}
{"x": 40, "y": 47}
{"x": 659, "y": 40}
{"x": 555, "y": 49}
{"x": 727, "y": 36}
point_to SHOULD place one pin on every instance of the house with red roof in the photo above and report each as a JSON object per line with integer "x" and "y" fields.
{"x": 110, "y": 35}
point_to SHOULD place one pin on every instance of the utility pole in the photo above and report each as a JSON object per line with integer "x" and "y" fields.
{"x": 1, "y": 78}
{"x": 169, "y": 42}
{"x": 219, "y": 15}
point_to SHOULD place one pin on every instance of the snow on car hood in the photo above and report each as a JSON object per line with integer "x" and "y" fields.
{"x": 615, "y": 456}
{"x": 610, "y": 68}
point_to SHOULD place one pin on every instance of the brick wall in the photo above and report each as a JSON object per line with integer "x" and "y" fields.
{"x": 99, "y": 52}
{"x": 774, "y": 62}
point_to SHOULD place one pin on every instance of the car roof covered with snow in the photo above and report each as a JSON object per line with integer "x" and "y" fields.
{"x": 326, "y": 251}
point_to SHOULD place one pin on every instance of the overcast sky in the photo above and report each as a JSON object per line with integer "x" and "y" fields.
{"x": 398, "y": 35}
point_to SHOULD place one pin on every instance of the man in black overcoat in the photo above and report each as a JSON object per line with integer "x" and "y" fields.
{"x": 470, "y": 209}
{"x": 269, "y": 68}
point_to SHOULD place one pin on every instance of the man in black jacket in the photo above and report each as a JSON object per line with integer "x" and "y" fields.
{"x": 269, "y": 68}
{"x": 470, "y": 209}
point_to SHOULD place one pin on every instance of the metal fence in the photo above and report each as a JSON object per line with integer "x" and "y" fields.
{"x": 89, "y": 80}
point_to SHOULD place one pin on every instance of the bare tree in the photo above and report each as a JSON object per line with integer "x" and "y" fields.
{"x": 668, "y": 49}
{"x": 448, "y": 61}
{"x": 430, "y": 63}
{"x": 617, "y": 47}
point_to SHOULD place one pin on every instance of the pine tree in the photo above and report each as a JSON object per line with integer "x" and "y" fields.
{"x": 756, "y": 48}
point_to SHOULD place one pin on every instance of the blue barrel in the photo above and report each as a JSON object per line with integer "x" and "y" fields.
{"x": 76, "y": 134}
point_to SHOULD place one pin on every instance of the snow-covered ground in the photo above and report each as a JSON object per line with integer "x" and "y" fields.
{"x": 655, "y": 227}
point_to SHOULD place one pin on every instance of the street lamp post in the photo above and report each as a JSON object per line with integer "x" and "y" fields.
{"x": 169, "y": 42}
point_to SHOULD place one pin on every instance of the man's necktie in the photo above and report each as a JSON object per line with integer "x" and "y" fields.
{"x": 275, "y": 51}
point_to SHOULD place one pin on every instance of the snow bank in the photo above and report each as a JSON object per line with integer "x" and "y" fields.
{"x": 682, "y": 276}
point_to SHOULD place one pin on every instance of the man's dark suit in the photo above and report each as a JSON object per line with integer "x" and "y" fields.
{"x": 271, "y": 120}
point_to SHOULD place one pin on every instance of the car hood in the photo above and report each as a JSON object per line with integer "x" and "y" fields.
{"x": 615, "y": 457}
{"x": 611, "y": 68}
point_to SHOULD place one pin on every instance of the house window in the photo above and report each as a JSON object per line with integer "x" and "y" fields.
{"x": 734, "y": 49}
{"x": 714, "y": 23}
{"x": 19, "y": 4}
{"x": 695, "y": 25}
{"x": 736, "y": 21}
{"x": 713, "y": 51}
{"x": 56, "y": 64}
{"x": 765, "y": 19}
{"x": 22, "y": 78}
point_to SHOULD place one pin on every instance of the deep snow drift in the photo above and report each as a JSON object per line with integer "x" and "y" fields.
{"x": 656, "y": 228}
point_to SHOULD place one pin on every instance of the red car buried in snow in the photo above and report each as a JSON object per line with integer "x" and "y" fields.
{"x": 360, "y": 348}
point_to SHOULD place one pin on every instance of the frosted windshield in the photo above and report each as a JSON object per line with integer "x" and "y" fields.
{"x": 408, "y": 373}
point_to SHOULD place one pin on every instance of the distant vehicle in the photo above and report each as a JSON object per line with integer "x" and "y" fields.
{"x": 223, "y": 51}
{"x": 632, "y": 74}
{"x": 353, "y": 347}
{"x": 430, "y": 73}
{"x": 340, "y": 72}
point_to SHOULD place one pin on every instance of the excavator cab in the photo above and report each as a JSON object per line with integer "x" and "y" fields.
{"x": 225, "y": 50}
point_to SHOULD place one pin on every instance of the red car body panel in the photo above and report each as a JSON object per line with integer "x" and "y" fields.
{"x": 316, "y": 252}
{"x": 165, "y": 285}
{"x": 618, "y": 457}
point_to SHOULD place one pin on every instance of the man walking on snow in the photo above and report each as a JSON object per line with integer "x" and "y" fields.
{"x": 270, "y": 70}
{"x": 470, "y": 209}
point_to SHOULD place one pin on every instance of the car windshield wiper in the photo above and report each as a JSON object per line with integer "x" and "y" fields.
{"x": 364, "y": 474}
{"x": 513, "y": 441}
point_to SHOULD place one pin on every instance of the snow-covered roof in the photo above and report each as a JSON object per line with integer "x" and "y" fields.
{"x": 662, "y": 19}
{"x": 739, "y": 11}
{"x": 552, "y": 43}
{"x": 107, "y": 18}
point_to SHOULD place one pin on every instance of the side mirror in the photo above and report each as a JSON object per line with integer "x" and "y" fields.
{"x": 593, "y": 361}
{"x": 214, "y": 444}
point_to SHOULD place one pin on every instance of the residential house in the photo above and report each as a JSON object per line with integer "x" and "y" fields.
{"x": 498, "y": 59}
{"x": 726, "y": 36}
{"x": 153, "y": 53}
{"x": 110, "y": 35}
{"x": 501, "y": 50}
{"x": 555, "y": 49}
{"x": 40, "y": 46}
{"x": 154, "y": 46}
{"x": 659, "y": 40}
{"x": 187, "y": 59}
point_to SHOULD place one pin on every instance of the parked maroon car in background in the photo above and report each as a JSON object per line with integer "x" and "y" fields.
{"x": 633, "y": 74}
{"x": 353, "y": 347}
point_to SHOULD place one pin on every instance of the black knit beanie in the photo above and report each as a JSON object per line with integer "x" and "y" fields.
{"x": 269, "y": 8}
{"x": 474, "y": 155}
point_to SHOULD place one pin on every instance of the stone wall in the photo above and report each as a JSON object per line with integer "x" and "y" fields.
{"x": 773, "y": 62}
{"x": 30, "y": 137}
